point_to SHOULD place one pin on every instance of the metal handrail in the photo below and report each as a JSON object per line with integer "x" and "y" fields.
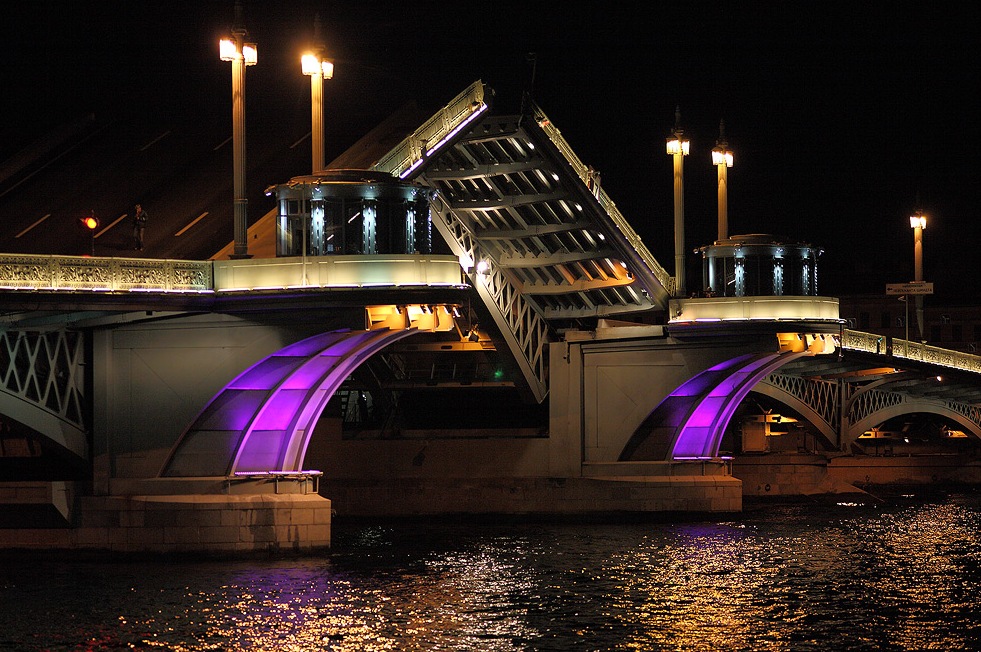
{"x": 664, "y": 278}
{"x": 425, "y": 140}
{"x": 875, "y": 343}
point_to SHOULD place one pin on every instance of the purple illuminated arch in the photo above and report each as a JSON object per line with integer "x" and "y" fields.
{"x": 263, "y": 419}
{"x": 693, "y": 418}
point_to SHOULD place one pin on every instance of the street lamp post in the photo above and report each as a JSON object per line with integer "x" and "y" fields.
{"x": 917, "y": 222}
{"x": 234, "y": 48}
{"x": 678, "y": 147}
{"x": 318, "y": 68}
{"x": 905, "y": 299}
{"x": 722, "y": 159}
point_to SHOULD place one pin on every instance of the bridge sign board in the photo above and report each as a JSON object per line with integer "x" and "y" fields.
{"x": 913, "y": 287}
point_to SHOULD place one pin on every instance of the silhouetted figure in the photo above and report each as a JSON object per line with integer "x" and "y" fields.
{"x": 593, "y": 180}
{"x": 139, "y": 227}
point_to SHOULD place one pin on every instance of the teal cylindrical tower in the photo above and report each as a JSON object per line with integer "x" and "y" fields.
{"x": 759, "y": 265}
{"x": 351, "y": 212}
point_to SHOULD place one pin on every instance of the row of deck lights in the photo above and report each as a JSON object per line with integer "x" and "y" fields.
{"x": 241, "y": 53}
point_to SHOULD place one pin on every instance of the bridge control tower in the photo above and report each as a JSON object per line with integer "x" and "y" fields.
{"x": 351, "y": 212}
{"x": 759, "y": 265}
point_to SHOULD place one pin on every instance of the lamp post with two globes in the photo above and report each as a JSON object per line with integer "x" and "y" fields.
{"x": 917, "y": 222}
{"x": 722, "y": 159}
{"x": 240, "y": 53}
{"x": 318, "y": 68}
{"x": 678, "y": 147}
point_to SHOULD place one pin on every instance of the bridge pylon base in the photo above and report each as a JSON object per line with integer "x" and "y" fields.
{"x": 600, "y": 497}
{"x": 197, "y": 517}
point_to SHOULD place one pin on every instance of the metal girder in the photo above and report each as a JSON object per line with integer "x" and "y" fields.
{"x": 560, "y": 258}
{"x": 577, "y": 286}
{"x": 506, "y": 200}
{"x": 519, "y": 195}
{"x": 531, "y": 231}
{"x": 489, "y": 169}
{"x": 42, "y": 378}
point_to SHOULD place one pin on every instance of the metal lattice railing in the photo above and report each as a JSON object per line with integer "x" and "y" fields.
{"x": 822, "y": 396}
{"x": 524, "y": 329}
{"x": 970, "y": 412}
{"x": 45, "y": 369}
{"x": 871, "y": 401}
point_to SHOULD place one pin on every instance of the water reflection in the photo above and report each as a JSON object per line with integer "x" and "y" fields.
{"x": 876, "y": 576}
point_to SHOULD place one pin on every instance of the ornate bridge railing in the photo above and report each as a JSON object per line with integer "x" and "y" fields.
{"x": 424, "y": 141}
{"x": 74, "y": 274}
{"x": 874, "y": 343}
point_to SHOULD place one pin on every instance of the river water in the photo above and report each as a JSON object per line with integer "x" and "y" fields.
{"x": 894, "y": 573}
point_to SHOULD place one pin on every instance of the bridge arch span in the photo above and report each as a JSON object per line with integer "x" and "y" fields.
{"x": 42, "y": 386}
{"x": 262, "y": 420}
{"x": 62, "y": 433}
{"x": 827, "y": 431}
{"x": 898, "y": 409}
{"x": 694, "y": 417}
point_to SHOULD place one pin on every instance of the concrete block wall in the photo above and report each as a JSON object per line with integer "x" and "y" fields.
{"x": 593, "y": 497}
{"x": 195, "y": 524}
{"x": 915, "y": 469}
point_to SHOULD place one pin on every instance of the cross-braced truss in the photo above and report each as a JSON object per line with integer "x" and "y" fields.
{"x": 541, "y": 241}
{"x": 41, "y": 376}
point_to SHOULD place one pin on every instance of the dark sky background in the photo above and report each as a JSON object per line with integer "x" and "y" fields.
{"x": 844, "y": 116}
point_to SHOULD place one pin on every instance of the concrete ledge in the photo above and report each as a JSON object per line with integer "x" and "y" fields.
{"x": 793, "y": 474}
{"x": 547, "y": 497}
{"x": 913, "y": 469}
{"x": 199, "y": 524}
{"x": 708, "y": 467}
{"x": 273, "y": 482}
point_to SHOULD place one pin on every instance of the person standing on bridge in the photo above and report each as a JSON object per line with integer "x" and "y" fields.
{"x": 139, "y": 226}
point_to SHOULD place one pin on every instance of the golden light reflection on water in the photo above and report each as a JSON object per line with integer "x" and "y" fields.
{"x": 844, "y": 577}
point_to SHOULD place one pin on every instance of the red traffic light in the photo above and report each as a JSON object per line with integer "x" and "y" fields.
{"x": 90, "y": 222}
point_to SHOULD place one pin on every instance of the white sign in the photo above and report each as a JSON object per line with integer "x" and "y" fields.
{"x": 913, "y": 287}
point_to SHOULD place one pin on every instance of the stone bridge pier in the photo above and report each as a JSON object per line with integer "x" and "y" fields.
{"x": 136, "y": 388}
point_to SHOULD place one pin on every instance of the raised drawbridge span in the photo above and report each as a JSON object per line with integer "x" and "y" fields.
{"x": 558, "y": 270}
{"x": 541, "y": 243}
{"x": 540, "y": 239}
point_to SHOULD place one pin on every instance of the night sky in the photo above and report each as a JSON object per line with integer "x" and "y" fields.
{"x": 844, "y": 116}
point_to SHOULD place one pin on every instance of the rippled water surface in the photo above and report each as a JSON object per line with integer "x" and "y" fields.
{"x": 897, "y": 574}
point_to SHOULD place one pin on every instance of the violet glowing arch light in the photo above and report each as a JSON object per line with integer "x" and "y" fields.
{"x": 262, "y": 420}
